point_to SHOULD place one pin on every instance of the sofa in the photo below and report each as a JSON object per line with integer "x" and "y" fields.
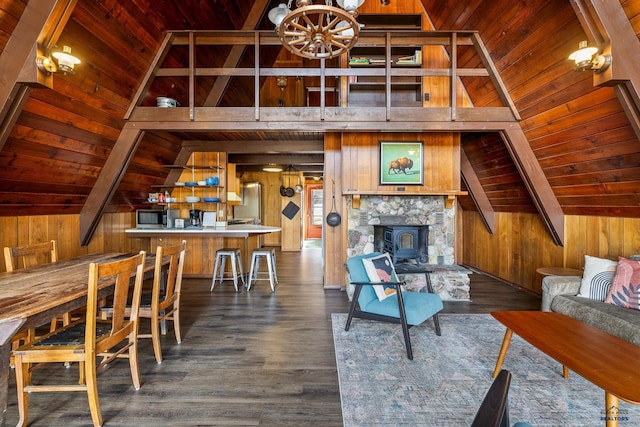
{"x": 559, "y": 294}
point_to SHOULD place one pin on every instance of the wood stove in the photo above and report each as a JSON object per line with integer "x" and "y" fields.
{"x": 403, "y": 242}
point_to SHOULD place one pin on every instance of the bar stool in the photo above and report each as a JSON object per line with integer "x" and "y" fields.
{"x": 236, "y": 259}
{"x": 254, "y": 271}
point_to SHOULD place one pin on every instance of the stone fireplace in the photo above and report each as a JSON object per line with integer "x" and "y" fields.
{"x": 436, "y": 248}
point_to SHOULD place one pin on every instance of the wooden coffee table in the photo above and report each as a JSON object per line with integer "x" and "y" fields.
{"x": 607, "y": 361}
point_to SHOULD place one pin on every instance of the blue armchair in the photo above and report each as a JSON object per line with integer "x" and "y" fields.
{"x": 406, "y": 308}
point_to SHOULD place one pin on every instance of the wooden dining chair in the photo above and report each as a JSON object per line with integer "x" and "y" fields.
{"x": 30, "y": 256}
{"x": 25, "y": 257}
{"x": 84, "y": 340}
{"x": 163, "y": 303}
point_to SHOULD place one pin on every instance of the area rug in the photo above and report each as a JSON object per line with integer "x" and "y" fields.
{"x": 447, "y": 379}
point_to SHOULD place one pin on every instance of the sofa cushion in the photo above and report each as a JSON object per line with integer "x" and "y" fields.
{"x": 357, "y": 273}
{"x": 625, "y": 287}
{"x": 619, "y": 321}
{"x": 380, "y": 269}
{"x": 596, "y": 279}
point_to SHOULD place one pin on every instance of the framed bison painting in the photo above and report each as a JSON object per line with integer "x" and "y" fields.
{"x": 401, "y": 163}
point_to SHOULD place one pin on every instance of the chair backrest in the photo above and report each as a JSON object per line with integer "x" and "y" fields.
{"x": 121, "y": 271}
{"x": 358, "y": 273}
{"x": 494, "y": 410}
{"x": 173, "y": 277}
{"x": 30, "y": 256}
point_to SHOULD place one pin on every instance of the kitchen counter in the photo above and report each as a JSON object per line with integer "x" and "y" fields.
{"x": 237, "y": 230}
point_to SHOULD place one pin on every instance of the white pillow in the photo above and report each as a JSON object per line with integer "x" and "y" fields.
{"x": 597, "y": 276}
{"x": 380, "y": 269}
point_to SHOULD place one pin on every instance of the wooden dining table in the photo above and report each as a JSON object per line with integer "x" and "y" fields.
{"x": 31, "y": 297}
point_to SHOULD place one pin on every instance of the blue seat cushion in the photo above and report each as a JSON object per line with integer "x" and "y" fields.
{"x": 418, "y": 306}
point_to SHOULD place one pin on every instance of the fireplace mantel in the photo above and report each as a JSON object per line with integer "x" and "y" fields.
{"x": 450, "y": 195}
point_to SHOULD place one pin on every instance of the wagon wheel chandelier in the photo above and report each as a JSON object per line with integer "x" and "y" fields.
{"x": 317, "y": 31}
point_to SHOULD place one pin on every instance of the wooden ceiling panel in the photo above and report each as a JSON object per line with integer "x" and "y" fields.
{"x": 580, "y": 134}
{"x": 573, "y": 128}
{"x": 496, "y": 173}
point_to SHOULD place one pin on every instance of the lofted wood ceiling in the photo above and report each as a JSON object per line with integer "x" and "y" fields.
{"x": 579, "y": 133}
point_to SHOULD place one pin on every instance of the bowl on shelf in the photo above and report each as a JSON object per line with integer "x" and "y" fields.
{"x": 190, "y": 183}
{"x": 211, "y": 199}
{"x": 212, "y": 180}
{"x": 178, "y": 184}
{"x": 202, "y": 183}
{"x": 152, "y": 200}
{"x": 171, "y": 200}
{"x": 192, "y": 199}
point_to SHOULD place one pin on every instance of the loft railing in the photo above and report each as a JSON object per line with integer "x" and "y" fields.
{"x": 236, "y": 44}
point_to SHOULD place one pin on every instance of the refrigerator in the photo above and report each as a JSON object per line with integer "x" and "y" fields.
{"x": 249, "y": 208}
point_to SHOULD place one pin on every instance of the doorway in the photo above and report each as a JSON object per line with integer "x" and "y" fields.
{"x": 314, "y": 213}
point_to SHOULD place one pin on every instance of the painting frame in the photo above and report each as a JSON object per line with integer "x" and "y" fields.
{"x": 401, "y": 163}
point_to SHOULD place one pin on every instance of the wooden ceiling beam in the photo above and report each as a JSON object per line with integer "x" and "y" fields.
{"x": 36, "y": 32}
{"x": 233, "y": 58}
{"x": 253, "y": 146}
{"x": 535, "y": 181}
{"x": 316, "y": 119}
{"x": 606, "y": 24}
{"x": 162, "y": 52}
{"x": 107, "y": 183}
{"x": 280, "y": 159}
{"x": 476, "y": 192}
{"x": 305, "y": 169}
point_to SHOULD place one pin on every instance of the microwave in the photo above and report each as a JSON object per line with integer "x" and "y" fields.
{"x": 156, "y": 218}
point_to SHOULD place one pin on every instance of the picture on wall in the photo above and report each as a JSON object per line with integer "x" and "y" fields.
{"x": 401, "y": 163}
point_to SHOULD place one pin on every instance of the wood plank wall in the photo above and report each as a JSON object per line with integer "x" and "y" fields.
{"x": 521, "y": 244}
{"x": 109, "y": 237}
{"x": 65, "y": 229}
{"x": 335, "y": 243}
{"x": 361, "y": 162}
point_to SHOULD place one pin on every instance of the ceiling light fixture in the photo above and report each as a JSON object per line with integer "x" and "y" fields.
{"x": 271, "y": 167}
{"x": 587, "y": 58}
{"x": 317, "y": 31}
{"x": 64, "y": 62}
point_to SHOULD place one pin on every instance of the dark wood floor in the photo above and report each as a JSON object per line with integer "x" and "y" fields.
{"x": 247, "y": 359}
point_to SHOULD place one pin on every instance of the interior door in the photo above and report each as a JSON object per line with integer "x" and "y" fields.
{"x": 314, "y": 216}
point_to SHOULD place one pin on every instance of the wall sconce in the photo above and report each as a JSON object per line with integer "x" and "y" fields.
{"x": 281, "y": 81}
{"x": 587, "y": 58}
{"x": 64, "y": 62}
